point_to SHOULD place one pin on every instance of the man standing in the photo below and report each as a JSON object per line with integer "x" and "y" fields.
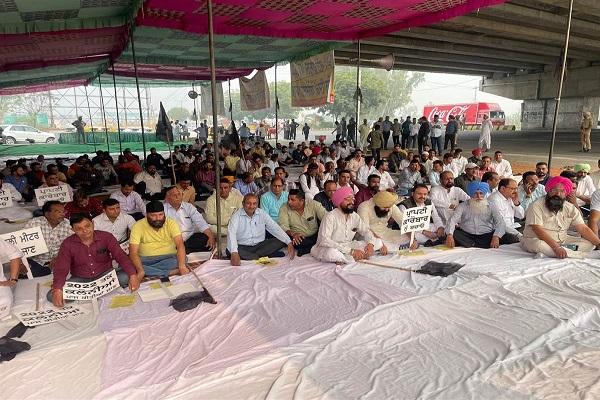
{"x": 435, "y": 233}
{"x": 272, "y": 201}
{"x": 437, "y": 128}
{"x": 548, "y": 220}
{"x": 586, "y": 130}
{"x": 324, "y": 197}
{"x": 501, "y": 166}
{"x": 88, "y": 255}
{"x": 386, "y": 128}
{"x": 451, "y": 132}
{"x": 405, "y": 132}
{"x": 469, "y": 176}
{"x": 352, "y": 132}
{"x": 485, "y": 137}
{"x": 79, "y": 125}
{"x": 363, "y": 130}
{"x": 247, "y": 230}
{"x": 409, "y": 177}
{"x": 112, "y": 220}
{"x": 396, "y": 128}
{"x": 506, "y": 203}
{"x": 299, "y": 218}
{"x": 377, "y": 140}
{"x": 335, "y": 242}
{"x": 367, "y": 192}
{"x": 415, "y": 126}
{"x": 149, "y": 183}
{"x": 479, "y": 224}
{"x": 306, "y": 131}
{"x": 423, "y": 136}
{"x": 377, "y": 212}
{"x": 293, "y": 126}
{"x": 386, "y": 182}
{"x": 130, "y": 201}
{"x": 156, "y": 245}
{"x": 446, "y": 197}
{"x": 195, "y": 232}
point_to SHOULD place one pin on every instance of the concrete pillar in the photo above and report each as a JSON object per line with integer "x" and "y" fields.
{"x": 539, "y": 114}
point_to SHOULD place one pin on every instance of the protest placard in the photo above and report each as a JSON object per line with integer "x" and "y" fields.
{"x": 415, "y": 219}
{"x": 5, "y": 198}
{"x": 312, "y": 80}
{"x": 30, "y": 241}
{"x": 34, "y": 318}
{"x": 91, "y": 290}
{"x": 58, "y": 193}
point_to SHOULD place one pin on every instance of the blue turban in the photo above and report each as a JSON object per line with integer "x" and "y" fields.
{"x": 476, "y": 186}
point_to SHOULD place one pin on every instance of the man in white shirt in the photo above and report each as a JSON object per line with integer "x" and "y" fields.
{"x": 437, "y": 128}
{"x": 365, "y": 170}
{"x": 149, "y": 183}
{"x": 52, "y": 180}
{"x": 585, "y": 185}
{"x": 130, "y": 201}
{"x": 449, "y": 164}
{"x": 501, "y": 166}
{"x": 386, "y": 182}
{"x": 14, "y": 193}
{"x": 506, "y": 203}
{"x": 112, "y": 220}
{"x": 460, "y": 161}
{"x": 195, "y": 231}
{"x": 435, "y": 233}
{"x": 11, "y": 254}
{"x": 447, "y": 196}
{"x": 377, "y": 212}
{"x": 335, "y": 242}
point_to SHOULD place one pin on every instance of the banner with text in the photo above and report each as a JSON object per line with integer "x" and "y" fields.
{"x": 30, "y": 241}
{"x": 254, "y": 92}
{"x": 35, "y": 318}
{"x": 415, "y": 219}
{"x": 312, "y": 80}
{"x": 58, "y": 193}
{"x": 91, "y": 290}
{"x": 206, "y": 100}
{"x": 5, "y": 198}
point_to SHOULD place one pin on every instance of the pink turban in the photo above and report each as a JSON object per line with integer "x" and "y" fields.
{"x": 559, "y": 180}
{"x": 340, "y": 194}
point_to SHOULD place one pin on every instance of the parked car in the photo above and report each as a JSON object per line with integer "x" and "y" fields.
{"x": 11, "y": 134}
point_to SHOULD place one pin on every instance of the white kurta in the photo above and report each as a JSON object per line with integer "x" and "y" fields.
{"x": 392, "y": 238}
{"x": 335, "y": 241}
{"x": 485, "y": 137}
{"x": 433, "y": 226}
{"x": 8, "y": 252}
{"x": 443, "y": 198}
{"x": 502, "y": 168}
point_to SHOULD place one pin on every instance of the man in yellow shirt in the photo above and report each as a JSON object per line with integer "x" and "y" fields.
{"x": 230, "y": 202}
{"x": 156, "y": 245}
{"x": 187, "y": 189}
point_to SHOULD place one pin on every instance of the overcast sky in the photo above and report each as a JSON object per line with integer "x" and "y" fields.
{"x": 437, "y": 88}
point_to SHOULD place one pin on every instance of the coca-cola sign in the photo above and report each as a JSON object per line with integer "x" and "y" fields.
{"x": 445, "y": 111}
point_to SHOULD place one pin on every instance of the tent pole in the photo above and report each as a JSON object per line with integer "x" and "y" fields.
{"x": 213, "y": 93}
{"x": 230, "y": 102}
{"x": 104, "y": 115}
{"x": 358, "y": 96}
{"x": 76, "y": 108}
{"x": 117, "y": 109}
{"x": 276, "y": 111}
{"x": 195, "y": 109}
{"x": 137, "y": 86}
{"x": 91, "y": 121}
{"x": 560, "y": 84}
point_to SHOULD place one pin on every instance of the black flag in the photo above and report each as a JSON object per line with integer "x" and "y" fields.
{"x": 164, "y": 130}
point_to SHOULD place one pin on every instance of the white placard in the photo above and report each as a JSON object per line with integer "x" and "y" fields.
{"x": 125, "y": 246}
{"x": 42, "y": 317}
{"x": 415, "y": 219}
{"x": 171, "y": 292}
{"x": 30, "y": 241}
{"x": 5, "y": 198}
{"x": 91, "y": 290}
{"x": 58, "y": 193}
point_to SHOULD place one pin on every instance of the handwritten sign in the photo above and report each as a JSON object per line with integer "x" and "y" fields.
{"x": 125, "y": 246}
{"x": 30, "y": 241}
{"x": 42, "y": 317}
{"x": 5, "y": 198}
{"x": 415, "y": 219}
{"x": 58, "y": 193}
{"x": 91, "y": 290}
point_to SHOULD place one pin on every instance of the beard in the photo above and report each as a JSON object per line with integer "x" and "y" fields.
{"x": 478, "y": 207}
{"x": 349, "y": 209}
{"x": 157, "y": 224}
{"x": 449, "y": 185}
{"x": 381, "y": 213}
{"x": 554, "y": 203}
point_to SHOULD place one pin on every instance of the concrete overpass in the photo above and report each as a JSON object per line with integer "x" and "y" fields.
{"x": 516, "y": 47}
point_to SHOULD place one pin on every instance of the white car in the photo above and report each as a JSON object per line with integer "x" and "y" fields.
{"x": 12, "y": 134}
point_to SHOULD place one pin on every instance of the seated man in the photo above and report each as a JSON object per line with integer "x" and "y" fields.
{"x": 156, "y": 245}
{"x": 409, "y": 177}
{"x": 246, "y": 234}
{"x": 55, "y": 229}
{"x": 130, "y": 201}
{"x": 335, "y": 242}
{"x": 366, "y": 193}
{"x": 229, "y": 202}
{"x": 299, "y": 218}
{"x": 112, "y": 220}
{"x": 435, "y": 233}
{"x": 480, "y": 225}
{"x": 549, "y": 218}
{"x": 506, "y": 204}
{"x": 196, "y": 233}
{"x": 501, "y": 166}
{"x": 12, "y": 191}
{"x": 585, "y": 185}
{"x": 492, "y": 179}
{"x": 530, "y": 189}
{"x": 264, "y": 182}
{"x": 469, "y": 175}
{"x": 188, "y": 191}
{"x": 324, "y": 197}
{"x": 386, "y": 182}
{"x": 446, "y": 196}
{"x": 52, "y": 179}
{"x": 274, "y": 199}
{"x": 148, "y": 183}
{"x": 246, "y": 184}
{"x": 376, "y": 213}
{"x": 83, "y": 204}
{"x": 88, "y": 255}
{"x": 11, "y": 254}
{"x": 437, "y": 167}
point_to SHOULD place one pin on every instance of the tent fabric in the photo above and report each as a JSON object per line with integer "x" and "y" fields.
{"x": 42, "y": 87}
{"x": 177, "y": 72}
{"x": 50, "y": 74}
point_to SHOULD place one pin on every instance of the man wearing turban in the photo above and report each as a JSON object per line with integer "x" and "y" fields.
{"x": 377, "y": 211}
{"x": 585, "y": 184}
{"x": 549, "y": 218}
{"x": 480, "y": 225}
{"x": 336, "y": 240}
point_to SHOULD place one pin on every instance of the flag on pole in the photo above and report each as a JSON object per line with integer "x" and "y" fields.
{"x": 164, "y": 130}
{"x": 277, "y": 102}
{"x": 194, "y": 115}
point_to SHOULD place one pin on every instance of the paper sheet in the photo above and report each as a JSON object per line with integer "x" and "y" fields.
{"x": 125, "y": 300}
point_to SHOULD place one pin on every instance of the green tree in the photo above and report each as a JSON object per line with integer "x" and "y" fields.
{"x": 179, "y": 113}
{"x": 7, "y": 105}
{"x": 383, "y": 93}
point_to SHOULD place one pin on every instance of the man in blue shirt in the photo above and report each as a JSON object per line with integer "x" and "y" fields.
{"x": 246, "y": 234}
{"x": 272, "y": 200}
{"x": 246, "y": 184}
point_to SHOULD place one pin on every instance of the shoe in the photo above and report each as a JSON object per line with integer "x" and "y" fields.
{"x": 428, "y": 243}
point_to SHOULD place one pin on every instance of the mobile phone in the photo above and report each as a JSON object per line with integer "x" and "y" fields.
{"x": 573, "y": 247}
{"x": 165, "y": 279}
